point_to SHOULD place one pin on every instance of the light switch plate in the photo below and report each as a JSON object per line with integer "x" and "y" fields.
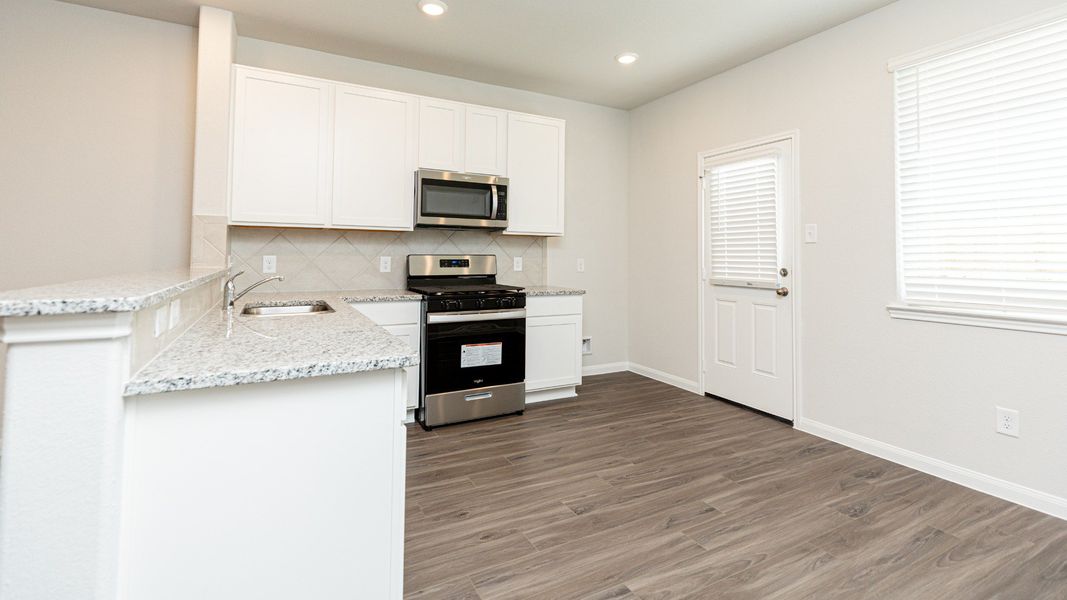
{"x": 175, "y": 313}
{"x": 811, "y": 233}
{"x": 518, "y": 263}
{"x": 161, "y": 320}
{"x": 270, "y": 264}
{"x": 581, "y": 265}
{"x": 385, "y": 264}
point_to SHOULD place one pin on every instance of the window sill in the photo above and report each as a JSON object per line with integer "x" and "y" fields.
{"x": 1034, "y": 323}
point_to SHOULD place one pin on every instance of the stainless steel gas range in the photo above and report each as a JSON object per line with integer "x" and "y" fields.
{"x": 473, "y": 339}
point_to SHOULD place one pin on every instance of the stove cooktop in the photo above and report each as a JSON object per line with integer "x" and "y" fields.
{"x": 461, "y": 289}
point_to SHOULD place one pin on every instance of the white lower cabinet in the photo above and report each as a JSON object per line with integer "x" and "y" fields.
{"x": 410, "y": 334}
{"x": 402, "y": 319}
{"x": 553, "y": 342}
{"x": 553, "y": 347}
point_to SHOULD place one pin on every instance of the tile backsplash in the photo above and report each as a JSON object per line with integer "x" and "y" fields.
{"x": 331, "y": 259}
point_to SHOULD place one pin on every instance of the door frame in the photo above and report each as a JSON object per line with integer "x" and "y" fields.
{"x": 793, "y": 137}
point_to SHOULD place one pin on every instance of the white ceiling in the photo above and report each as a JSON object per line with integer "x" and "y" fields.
{"x": 558, "y": 47}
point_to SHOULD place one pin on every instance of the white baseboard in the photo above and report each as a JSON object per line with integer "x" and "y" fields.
{"x": 1005, "y": 490}
{"x": 678, "y": 382}
{"x": 552, "y": 394}
{"x": 603, "y": 369}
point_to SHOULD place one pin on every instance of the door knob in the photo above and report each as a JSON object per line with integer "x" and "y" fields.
{"x": 782, "y": 291}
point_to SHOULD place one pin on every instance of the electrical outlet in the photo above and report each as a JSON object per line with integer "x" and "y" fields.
{"x": 161, "y": 320}
{"x": 175, "y": 313}
{"x": 518, "y": 263}
{"x": 1007, "y": 421}
{"x": 587, "y": 344}
{"x": 270, "y": 264}
{"x": 811, "y": 234}
{"x": 581, "y": 265}
{"x": 385, "y": 264}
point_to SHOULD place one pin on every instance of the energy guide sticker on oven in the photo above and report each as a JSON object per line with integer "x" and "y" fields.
{"x": 481, "y": 355}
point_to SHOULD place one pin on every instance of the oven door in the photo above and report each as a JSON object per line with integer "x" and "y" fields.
{"x": 476, "y": 349}
{"x": 446, "y": 199}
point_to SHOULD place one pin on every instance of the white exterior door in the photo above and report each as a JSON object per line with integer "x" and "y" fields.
{"x": 747, "y": 197}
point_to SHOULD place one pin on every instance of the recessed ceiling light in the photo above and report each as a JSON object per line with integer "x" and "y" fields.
{"x": 626, "y": 58}
{"x": 434, "y": 8}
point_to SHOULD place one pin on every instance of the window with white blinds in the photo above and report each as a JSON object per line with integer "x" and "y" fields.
{"x": 981, "y": 139}
{"x": 742, "y": 199}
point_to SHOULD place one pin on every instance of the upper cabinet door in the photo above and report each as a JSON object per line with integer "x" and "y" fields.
{"x": 487, "y": 141}
{"x": 441, "y": 134}
{"x": 535, "y": 171}
{"x": 281, "y": 149}
{"x": 375, "y": 138}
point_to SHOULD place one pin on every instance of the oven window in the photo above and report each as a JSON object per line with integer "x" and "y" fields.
{"x": 462, "y": 356}
{"x": 453, "y": 199}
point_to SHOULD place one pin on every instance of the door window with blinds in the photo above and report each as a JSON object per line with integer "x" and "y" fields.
{"x": 742, "y": 194}
{"x": 981, "y": 175}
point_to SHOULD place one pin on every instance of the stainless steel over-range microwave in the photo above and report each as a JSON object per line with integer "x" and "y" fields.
{"x": 460, "y": 200}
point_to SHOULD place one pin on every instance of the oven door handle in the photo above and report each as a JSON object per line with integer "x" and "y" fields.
{"x": 475, "y": 315}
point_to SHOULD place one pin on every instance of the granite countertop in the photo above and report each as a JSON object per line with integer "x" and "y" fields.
{"x": 397, "y": 295}
{"x": 120, "y": 293}
{"x": 379, "y": 295}
{"x": 221, "y": 350}
{"x": 553, "y": 290}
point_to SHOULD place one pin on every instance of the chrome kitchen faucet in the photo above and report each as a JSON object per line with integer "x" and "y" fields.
{"x": 228, "y": 295}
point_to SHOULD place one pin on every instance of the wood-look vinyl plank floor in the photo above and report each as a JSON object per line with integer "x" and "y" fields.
{"x": 639, "y": 491}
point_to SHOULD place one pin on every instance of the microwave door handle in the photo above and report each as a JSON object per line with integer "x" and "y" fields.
{"x": 496, "y": 203}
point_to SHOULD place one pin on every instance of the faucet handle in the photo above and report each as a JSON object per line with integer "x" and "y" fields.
{"x": 235, "y": 276}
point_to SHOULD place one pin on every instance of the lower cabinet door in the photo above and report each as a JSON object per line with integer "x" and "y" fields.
{"x": 411, "y": 335}
{"x": 553, "y": 352}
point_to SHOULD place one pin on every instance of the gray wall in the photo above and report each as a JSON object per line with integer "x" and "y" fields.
{"x": 96, "y": 142}
{"x": 924, "y": 387}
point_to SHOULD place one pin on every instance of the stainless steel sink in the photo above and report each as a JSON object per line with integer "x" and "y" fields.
{"x": 314, "y": 307}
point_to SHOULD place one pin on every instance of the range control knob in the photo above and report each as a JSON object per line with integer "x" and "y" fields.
{"x": 451, "y": 304}
{"x": 491, "y": 303}
{"x": 507, "y": 303}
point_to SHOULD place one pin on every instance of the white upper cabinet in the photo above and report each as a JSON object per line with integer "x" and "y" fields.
{"x": 281, "y": 149}
{"x": 486, "y": 149}
{"x": 461, "y": 137}
{"x": 441, "y": 134}
{"x": 536, "y": 174}
{"x": 308, "y": 152}
{"x": 375, "y": 138}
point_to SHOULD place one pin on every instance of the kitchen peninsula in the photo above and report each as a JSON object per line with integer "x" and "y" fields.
{"x": 196, "y": 452}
